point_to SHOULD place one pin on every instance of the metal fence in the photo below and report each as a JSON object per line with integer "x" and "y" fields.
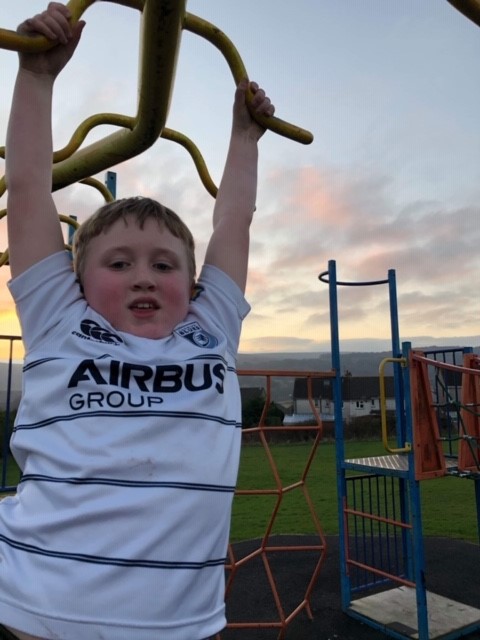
{"x": 10, "y": 392}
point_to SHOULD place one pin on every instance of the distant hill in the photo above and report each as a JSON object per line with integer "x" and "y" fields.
{"x": 357, "y": 363}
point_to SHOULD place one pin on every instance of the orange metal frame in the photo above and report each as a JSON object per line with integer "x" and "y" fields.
{"x": 428, "y": 452}
{"x": 468, "y": 460}
{"x": 429, "y": 456}
{"x": 265, "y": 548}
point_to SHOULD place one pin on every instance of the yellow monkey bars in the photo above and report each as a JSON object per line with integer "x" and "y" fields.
{"x": 161, "y": 27}
{"x": 469, "y": 8}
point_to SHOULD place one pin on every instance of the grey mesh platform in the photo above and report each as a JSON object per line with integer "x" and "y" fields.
{"x": 397, "y": 610}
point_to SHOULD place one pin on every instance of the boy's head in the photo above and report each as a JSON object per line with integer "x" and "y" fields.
{"x": 135, "y": 261}
{"x": 139, "y": 209}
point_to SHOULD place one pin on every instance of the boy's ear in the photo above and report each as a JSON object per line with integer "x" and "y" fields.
{"x": 79, "y": 282}
{"x": 195, "y": 291}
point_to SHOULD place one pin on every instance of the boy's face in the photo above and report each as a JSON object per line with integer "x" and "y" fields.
{"x": 138, "y": 279}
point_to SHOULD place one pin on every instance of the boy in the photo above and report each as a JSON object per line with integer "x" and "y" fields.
{"x": 128, "y": 433}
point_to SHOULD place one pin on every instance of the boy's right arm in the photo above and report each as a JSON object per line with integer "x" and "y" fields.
{"x": 33, "y": 227}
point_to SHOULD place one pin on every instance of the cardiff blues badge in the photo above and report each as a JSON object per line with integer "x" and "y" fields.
{"x": 197, "y": 336}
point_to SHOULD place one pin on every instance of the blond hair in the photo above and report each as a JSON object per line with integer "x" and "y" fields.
{"x": 140, "y": 209}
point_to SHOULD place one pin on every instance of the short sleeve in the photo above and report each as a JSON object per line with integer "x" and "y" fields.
{"x": 45, "y": 295}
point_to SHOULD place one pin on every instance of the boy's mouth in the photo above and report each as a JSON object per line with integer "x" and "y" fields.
{"x": 144, "y": 305}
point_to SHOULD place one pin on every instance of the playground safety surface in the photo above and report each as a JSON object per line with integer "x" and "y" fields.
{"x": 452, "y": 571}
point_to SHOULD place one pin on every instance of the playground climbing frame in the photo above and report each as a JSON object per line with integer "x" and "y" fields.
{"x": 382, "y": 558}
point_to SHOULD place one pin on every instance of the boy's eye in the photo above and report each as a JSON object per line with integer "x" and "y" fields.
{"x": 118, "y": 265}
{"x": 162, "y": 266}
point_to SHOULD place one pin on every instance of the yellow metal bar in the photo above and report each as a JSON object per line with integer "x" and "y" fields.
{"x": 383, "y": 406}
{"x": 4, "y": 255}
{"x": 133, "y": 4}
{"x": 184, "y": 141}
{"x": 160, "y": 38}
{"x": 469, "y": 8}
{"x": 162, "y": 24}
{"x": 14, "y": 42}
{"x": 84, "y": 129}
{"x": 99, "y": 186}
{"x": 67, "y": 219}
{"x": 216, "y": 37}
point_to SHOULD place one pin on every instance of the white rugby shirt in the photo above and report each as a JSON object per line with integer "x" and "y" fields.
{"x": 129, "y": 449}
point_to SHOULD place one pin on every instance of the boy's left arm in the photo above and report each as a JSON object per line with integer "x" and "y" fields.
{"x": 233, "y": 212}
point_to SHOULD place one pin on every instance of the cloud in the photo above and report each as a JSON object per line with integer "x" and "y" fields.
{"x": 311, "y": 215}
{"x": 270, "y": 344}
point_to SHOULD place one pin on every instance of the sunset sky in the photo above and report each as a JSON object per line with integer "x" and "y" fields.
{"x": 391, "y": 92}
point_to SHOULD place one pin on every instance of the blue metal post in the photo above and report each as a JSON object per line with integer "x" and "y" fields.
{"x": 416, "y": 518}
{"x": 111, "y": 183}
{"x": 339, "y": 437}
{"x": 71, "y": 231}
{"x": 405, "y": 495}
{"x": 396, "y": 352}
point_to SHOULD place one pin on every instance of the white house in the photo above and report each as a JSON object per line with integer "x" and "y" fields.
{"x": 360, "y": 396}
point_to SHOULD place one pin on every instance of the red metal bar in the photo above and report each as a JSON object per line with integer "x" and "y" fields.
{"x": 428, "y": 453}
{"x": 379, "y": 572}
{"x": 371, "y": 516}
{"x": 265, "y": 549}
{"x": 469, "y": 448}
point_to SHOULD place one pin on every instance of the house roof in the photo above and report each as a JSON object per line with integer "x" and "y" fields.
{"x": 353, "y": 388}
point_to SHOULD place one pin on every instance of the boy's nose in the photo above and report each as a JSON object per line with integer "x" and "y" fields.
{"x": 143, "y": 284}
{"x": 142, "y": 280}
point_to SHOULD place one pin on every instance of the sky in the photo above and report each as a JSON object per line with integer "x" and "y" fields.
{"x": 390, "y": 91}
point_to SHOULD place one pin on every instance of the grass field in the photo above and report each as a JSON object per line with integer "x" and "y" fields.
{"x": 448, "y": 504}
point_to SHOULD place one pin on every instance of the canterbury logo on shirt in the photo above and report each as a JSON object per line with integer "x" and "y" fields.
{"x": 91, "y": 330}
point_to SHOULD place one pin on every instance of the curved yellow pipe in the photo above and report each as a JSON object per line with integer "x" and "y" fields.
{"x": 14, "y": 42}
{"x": 161, "y": 28}
{"x": 215, "y": 36}
{"x": 162, "y": 24}
{"x": 469, "y": 8}
{"x": 4, "y": 255}
{"x": 26, "y": 44}
{"x": 383, "y": 406}
{"x": 68, "y": 220}
{"x": 63, "y": 218}
{"x": 184, "y": 141}
{"x": 133, "y": 4}
{"x": 84, "y": 129}
{"x": 96, "y": 184}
